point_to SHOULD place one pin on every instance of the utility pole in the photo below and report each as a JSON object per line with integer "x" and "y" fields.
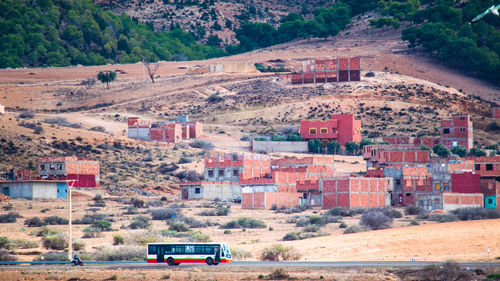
{"x": 70, "y": 244}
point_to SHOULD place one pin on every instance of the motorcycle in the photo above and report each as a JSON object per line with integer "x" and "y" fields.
{"x": 76, "y": 261}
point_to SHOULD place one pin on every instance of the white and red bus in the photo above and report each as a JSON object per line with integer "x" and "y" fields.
{"x": 177, "y": 253}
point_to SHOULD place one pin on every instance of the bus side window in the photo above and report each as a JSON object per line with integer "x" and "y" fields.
{"x": 167, "y": 249}
{"x": 179, "y": 250}
{"x": 152, "y": 249}
{"x": 199, "y": 250}
{"x": 209, "y": 250}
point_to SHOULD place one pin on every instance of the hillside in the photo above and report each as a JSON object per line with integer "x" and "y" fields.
{"x": 62, "y": 33}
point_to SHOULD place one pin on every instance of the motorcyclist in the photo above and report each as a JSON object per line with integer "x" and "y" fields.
{"x": 76, "y": 260}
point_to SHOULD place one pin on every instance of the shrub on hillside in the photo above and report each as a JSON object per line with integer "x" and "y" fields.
{"x": 78, "y": 246}
{"x": 220, "y": 211}
{"x": 354, "y": 229}
{"x": 197, "y": 237}
{"x": 140, "y": 222}
{"x": 46, "y": 231}
{"x": 244, "y": 223}
{"x": 465, "y": 214}
{"x": 118, "y": 239}
{"x": 9, "y": 217}
{"x": 6, "y": 256}
{"x": 414, "y": 210}
{"x": 91, "y": 219}
{"x": 102, "y": 225}
{"x": 55, "y": 242}
{"x": 55, "y": 220}
{"x": 443, "y": 217}
{"x": 279, "y": 252}
{"x": 202, "y": 144}
{"x": 6, "y": 243}
{"x": 291, "y": 236}
{"x": 34, "y": 222}
{"x": 91, "y": 232}
{"x": 179, "y": 227}
{"x": 376, "y": 220}
{"x": 27, "y": 114}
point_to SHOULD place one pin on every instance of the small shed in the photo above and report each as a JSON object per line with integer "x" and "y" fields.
{"x": 35, "y": 189}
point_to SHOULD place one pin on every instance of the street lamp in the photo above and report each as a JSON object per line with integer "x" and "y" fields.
{"x": 71, "y": 183}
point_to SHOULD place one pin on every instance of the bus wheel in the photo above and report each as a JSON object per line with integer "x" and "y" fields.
{"x": 177, "y": 263}
{"x": 216, "y": 263}
{"x": 209, "y": 261}
{"x": 170, "y": 261}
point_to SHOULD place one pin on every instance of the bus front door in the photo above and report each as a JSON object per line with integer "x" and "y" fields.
{"x": 217, "y": 254}
{"x": 161, "y": 254}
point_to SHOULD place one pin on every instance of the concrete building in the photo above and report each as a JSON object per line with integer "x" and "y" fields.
{"x": 457, "y": 132}
{"x": 210, "y": 190}
{"x": 85, "y": 172}
{"x": 442, "y": 171}
{"x": 449, "y": 200}
{"x": 279, "y": 146}
{"x": 341, "y": 127}
{"x": 326, "y": 71}
{"x": 35, "y": 189}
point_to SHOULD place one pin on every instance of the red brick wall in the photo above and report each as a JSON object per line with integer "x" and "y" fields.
{"x": 495, "y": 113}
{"x": 462, "y": 200}
{"x": 483, "y": 161}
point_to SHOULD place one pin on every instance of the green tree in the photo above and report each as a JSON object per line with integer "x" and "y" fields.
{"x": 351, "y": 147}
{"x": 314, "y": 146}
{"x": 477, "y": 152}
{"x": 106, "y": 77}
{"x": 294, "y": 137}
{"x": 333, "y": 147}
{"x": 459, "y": 150}
{"x": 277, "y": 138}
{"x": 365, "y": 142}
{"x": 441, "y": 150}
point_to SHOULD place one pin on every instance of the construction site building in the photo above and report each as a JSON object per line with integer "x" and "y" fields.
{"x": 495, "y": 112}
{"x": 389, "y": 155}
{"x": 83, "y": 171}
{"x": 168, "y": 131}
{"x": 341, "y": 128}
{"x": 326, "y": 71}
{"x": 457, "y": 132}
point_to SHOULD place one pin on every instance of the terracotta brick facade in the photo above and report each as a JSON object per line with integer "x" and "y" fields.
{"x": 341, "y": 127}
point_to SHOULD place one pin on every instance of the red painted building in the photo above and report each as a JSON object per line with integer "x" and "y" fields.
{"x": 457, "y": 131}
{"x": 466, "y": 183}
{"x": 85, "y": 172}
{"x": 399, "y": 154}
{"x": 495, "y": 112}
{"x": 341, "y": 127}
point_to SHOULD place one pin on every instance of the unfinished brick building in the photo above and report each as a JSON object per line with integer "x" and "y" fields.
{"x": 399, "y": 154}
{"x": 495, "y": 112}
{"x": 341, "y": 127}
{"x": 488, "y": 168}
{"x": 326, "y": 71}
{"x": 457, "y": 132}
{"x": 347, "y": 192}
{"x": 85, "y": 172}
{"x": 168, "y": 131}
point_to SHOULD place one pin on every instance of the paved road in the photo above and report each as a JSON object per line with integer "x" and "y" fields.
{"x": 258, "y": 264}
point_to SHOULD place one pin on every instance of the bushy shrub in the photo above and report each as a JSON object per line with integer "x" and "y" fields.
{"x": 244, "y": 223}
{"x": 55, "y": 220}
{"x": 354, "y": 229}
{"x": 414, "y": 222}
{"x": 290, "y": 236}
{"x": 240, "y": 254}
{"x": 245, "y": 138}
{"x": 413, "y": 210}
{"x": 202, "y": 144}
{"x": 139, "y": 222}
{"x": 46, "y": 231}
{"x": 342, "y": 225}
{"x": 131, "y": 211}
{"x": 138, "y": 203}
{"x": 220, "y": 211}
{"x": 279, "y": 274}
{"x": 443, "y": 217}
{"x": 118, "y": 239}
{"x": 179, "y": 227}
{"x": 9, "y": 217}
{"x": 227, "y": 231}
{"x": 91, "y": 219}
{"x": 392, "y": 213}
{"x": 103, "y": 225}
{"x": 6, "y": 256}
{"x": 279, "y": 252}
{"x": 123, "y": 253}
{"x": 53, "y": 256}
{"x": 338, "y": 212}
{"x": 78, "y": 246}
{"x": 165, "y": 214}
{"x": 91, "y": 232}
{"x": 194, "y": 223}
{"x": 465, "y": 214}
{"x": 34, "y": 222}
{"x": 6, "y": 243}
{"x": 376, "y": 220}
{"x": 184, "y": 160}
{"x": 27, "y": 114}
{"x": 198, "y": 237}
{"x": 55, "y": 242}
